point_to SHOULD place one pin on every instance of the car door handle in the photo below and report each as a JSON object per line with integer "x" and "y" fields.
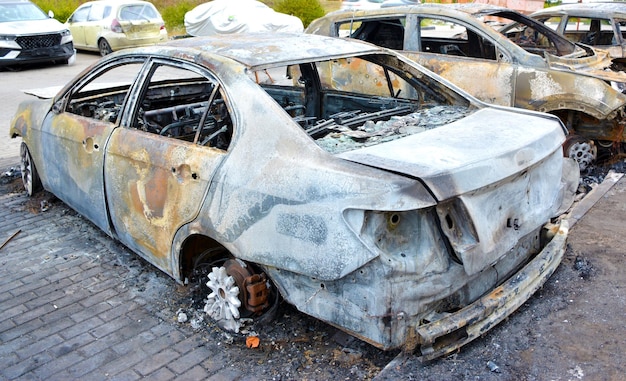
{"x": 183, "y": 172}
{"x": 90, "y": 145}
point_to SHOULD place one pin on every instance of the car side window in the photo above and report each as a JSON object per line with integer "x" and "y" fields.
{"x": 590, "y": 31}
{"x": 97, "y": 12}
{"x": 552, "y": 22}
{"x": 102, "y": 96}
{"x": 388, "y": 33}
{"x": 450, "y": 38}
{"x": 81, "y": 14}
{"x": 621, "y": 28}
{"x": 182, "y": 104}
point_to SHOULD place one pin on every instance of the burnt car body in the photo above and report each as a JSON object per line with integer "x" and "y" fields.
{"x": 372, "y": 208}
{"x": 503, "y": 57}
{"x": 602, "y": 25}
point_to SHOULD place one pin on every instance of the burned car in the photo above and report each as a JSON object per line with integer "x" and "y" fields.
{"x": 602, "y": 25}
{"x": 503, "y": 57}
{"x": 332, "y": 174}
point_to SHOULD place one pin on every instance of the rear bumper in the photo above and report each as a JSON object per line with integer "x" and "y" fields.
{"x": 457, "y": 329}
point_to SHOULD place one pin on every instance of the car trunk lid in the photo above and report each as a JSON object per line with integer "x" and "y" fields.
{"x": 496, "y": 174}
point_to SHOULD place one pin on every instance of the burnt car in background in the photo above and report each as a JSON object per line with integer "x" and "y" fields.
{"x": 361, "y": 188}
{"x": 503, "y": 57}
{"x": 602, "y": 25}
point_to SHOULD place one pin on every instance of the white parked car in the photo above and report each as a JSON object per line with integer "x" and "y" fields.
{"x": 29, "y": 35}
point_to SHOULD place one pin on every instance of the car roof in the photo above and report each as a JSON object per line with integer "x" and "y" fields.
{"x": 585, "y": 9}
{"x": 270, "y": 49}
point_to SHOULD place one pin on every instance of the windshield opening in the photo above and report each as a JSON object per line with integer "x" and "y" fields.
{"x": 20, "y": 12}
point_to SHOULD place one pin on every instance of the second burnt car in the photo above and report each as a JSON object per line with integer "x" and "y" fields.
{"x": 503, "y": 57}
{"x": 342, "y": 177}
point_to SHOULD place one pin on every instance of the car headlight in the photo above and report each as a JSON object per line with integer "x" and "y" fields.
{"x": 66, "y": 36}
{"x": 8, "y": 42}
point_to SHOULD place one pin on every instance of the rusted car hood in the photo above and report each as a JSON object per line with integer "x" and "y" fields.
{"x": 468, "y": 154}
{"x": 596, "y": 65}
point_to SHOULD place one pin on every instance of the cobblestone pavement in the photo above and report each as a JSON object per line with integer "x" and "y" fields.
{"x": 75, "y": 304}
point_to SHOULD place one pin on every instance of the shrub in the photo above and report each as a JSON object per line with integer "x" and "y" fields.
{"x": 305, "y": 10}
{"x": 62, "y": 8}
{"x": 174, "y": 15}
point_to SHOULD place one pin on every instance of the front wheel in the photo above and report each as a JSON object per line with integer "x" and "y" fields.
{"x": 104, "y": 47}
{"x": 30, "y": 178}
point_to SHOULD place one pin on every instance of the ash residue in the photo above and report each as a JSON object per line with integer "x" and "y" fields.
{"x": 345, "y": 137}
{"x": 596, "y": 174}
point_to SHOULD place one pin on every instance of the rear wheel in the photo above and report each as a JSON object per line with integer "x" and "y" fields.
{"x": 233, "y": 290}
{"x": 30, "y": 178}
{"x": 104, "y": 47}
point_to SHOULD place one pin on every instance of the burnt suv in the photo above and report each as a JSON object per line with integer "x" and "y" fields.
{"x": 29, "y": 35}
{"x": 503, "y": 57}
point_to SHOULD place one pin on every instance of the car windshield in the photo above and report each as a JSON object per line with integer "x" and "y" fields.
{"x": 529, "y": 34}
{"x": 20, "y": 12}
{"x": 138, "y": 12}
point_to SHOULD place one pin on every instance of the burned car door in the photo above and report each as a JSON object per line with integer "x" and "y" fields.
{"x": 158, "y": 167}
{"x": 74, "y": 136}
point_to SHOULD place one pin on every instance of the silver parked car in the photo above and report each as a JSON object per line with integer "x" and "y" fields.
{"x": 342, "y": 177}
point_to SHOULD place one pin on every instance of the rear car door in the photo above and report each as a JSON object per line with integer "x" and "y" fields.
{"x": 159, "y": 166}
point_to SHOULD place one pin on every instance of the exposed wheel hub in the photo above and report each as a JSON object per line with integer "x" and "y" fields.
{"x": 232, "y": 286}
{"x": 583, "y": 151}
{"x": 223, "y": 302}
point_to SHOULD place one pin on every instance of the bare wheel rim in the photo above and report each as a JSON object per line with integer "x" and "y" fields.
{"x": 223, "y": 302}
{"x": 26, "y": 166}
{"x": 584, "y": 153}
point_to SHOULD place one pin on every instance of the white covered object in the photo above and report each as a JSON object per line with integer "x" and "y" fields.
{"x": 238, "y": 16}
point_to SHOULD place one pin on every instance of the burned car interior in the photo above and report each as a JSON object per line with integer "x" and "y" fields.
{"x": 339, "y": 118}
{"x": 174, "y": 104}
{"x": 461, "y": 40}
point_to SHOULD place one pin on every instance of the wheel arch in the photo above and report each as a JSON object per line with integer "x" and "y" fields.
{"x": 187, "y": 250}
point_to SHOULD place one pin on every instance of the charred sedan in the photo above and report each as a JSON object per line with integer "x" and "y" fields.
{"x": 359, "y": 187}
